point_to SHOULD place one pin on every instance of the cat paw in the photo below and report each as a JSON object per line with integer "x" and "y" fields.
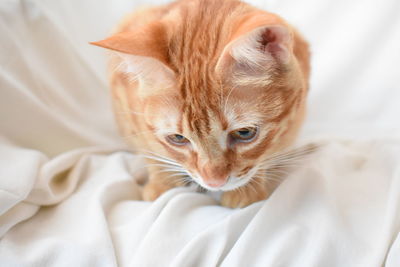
{"x": 243, "y": 197}
{"x": 152, "y": 191}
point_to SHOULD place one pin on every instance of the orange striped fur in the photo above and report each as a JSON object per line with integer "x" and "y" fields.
{"x": 203, "y": 69}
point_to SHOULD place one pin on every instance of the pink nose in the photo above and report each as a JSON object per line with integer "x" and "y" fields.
{"x": 217, "y": 183}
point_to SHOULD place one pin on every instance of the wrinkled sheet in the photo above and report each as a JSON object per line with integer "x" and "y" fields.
{"x": 70, "y": 189}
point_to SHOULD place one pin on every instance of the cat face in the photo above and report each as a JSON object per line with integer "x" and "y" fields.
{"x": 222, "y": 142}
{"x": 219, "y": 93}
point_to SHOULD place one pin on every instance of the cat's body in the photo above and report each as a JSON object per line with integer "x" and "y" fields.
{"x": 208, "y": 89}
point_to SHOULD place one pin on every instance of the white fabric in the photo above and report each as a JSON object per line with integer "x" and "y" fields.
{"x": 69, "y": 193}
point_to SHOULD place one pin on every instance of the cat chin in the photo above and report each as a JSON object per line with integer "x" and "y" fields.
{"x": 235, "y": 183}
{"x": 232, "y": 184}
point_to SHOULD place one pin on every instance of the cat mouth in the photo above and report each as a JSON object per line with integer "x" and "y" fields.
{"x": 237, "y": 182}
{"x": 231, "y": 183}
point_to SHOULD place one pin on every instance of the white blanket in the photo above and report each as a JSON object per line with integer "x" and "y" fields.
{"x": 70, "y": 193}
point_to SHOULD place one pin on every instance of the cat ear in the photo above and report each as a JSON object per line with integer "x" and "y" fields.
{"x": 143, "y": 53}
{"x": 254, "y": 57}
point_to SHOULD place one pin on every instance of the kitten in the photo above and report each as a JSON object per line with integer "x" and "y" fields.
{"x": 210, "y": 91}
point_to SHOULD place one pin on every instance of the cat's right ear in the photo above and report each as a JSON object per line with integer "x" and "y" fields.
{"x": 256, "y": 54}
{"x": 143, "y": 54}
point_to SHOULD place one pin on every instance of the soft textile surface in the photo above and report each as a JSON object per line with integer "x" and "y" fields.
{"x": 69, "y": 192}
{"x": 341, "y": 208}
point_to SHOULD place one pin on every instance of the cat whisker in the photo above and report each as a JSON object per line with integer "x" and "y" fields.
{"x": 160, "y": 165}
{"x": 283, "y": 159}
{"x": 258, "y": 181}
{"x": 275, "y": 171}
{"x": 177, "y": 172}
{"x": 174, "y": 163}
{"x": 277, "y": 175}
{"x": 182, "y": 178}
{"x": 253, "y": 188}
{"x": 170, "y": 170}
{"x": 291, "y": 158}
{"x": 294, "y": 153}
{"x": 271, "y": 166}
{"x": 271, "y": 179}
{"x": 287, "y": 159}
{"x": 179, "y": 175}
{"x": 274, "y": 179}
{"x": 159, "y": 155}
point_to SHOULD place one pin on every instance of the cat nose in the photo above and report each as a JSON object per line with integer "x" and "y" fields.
{"x": 215, "y": 175}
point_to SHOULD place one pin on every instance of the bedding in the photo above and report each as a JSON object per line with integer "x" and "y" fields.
{"x": 70, "y": 188}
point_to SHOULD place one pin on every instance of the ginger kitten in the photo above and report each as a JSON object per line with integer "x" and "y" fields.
{"x": 211, "y": 92}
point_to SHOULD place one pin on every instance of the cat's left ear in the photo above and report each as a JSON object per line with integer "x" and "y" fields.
{"x": 143, "y": 53}
{"x": 255, "y": 55}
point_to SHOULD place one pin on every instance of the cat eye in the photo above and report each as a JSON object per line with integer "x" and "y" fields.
{"x": 177, "y": 139}
{"x": 244, "y": 134}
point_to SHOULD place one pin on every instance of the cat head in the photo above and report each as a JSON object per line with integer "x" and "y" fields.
{"x": 220, "y": 87}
